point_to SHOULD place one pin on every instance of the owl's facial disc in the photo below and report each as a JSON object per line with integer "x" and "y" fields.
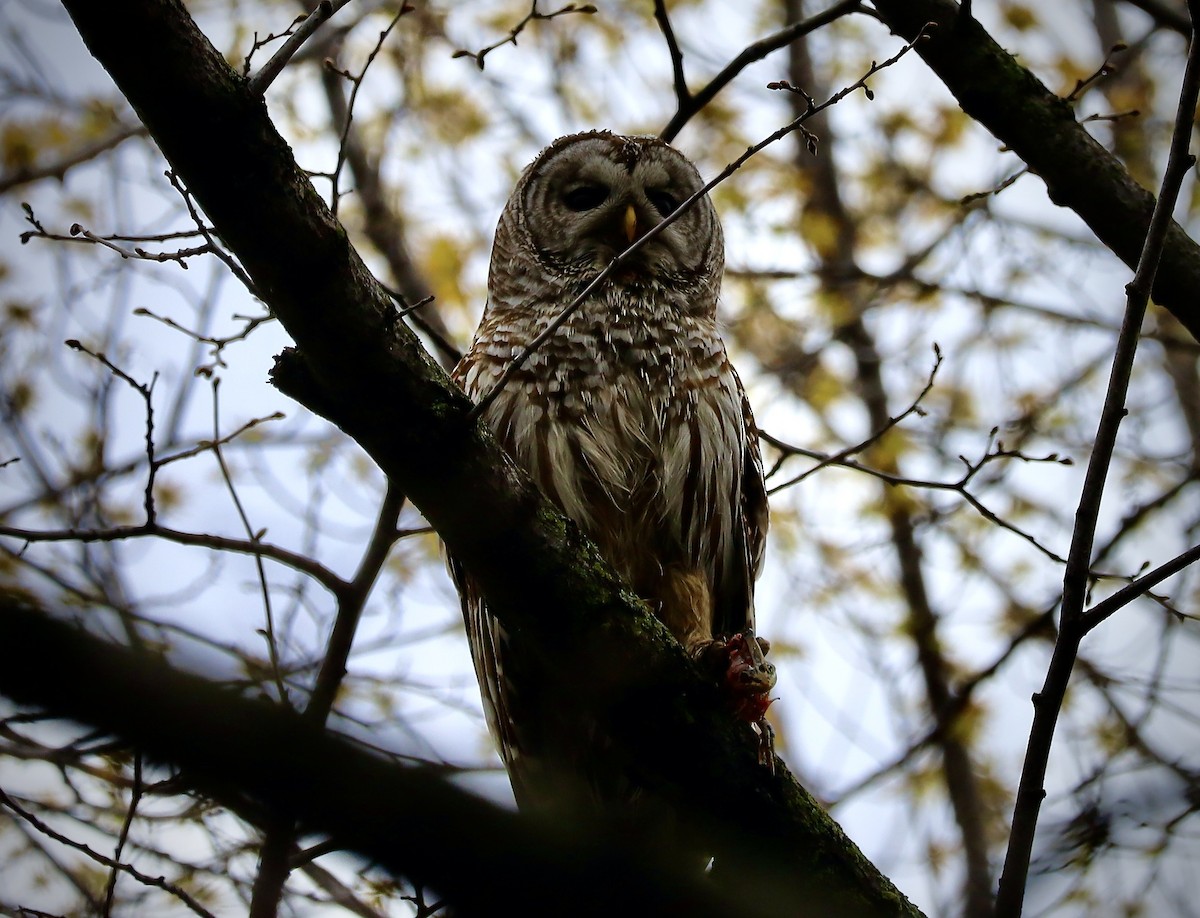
{"x": 595, "y": 203}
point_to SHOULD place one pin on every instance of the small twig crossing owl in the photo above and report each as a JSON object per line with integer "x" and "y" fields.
{"x": 630, "y": 418}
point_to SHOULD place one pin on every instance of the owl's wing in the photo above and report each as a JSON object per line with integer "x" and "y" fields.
{"x": 734, "y": 584}
{"x": 537, "y": 748}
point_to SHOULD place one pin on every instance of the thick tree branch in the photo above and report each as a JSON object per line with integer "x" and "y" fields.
{"x": 361, "y": 368}
{"x": 1041, "y": 128}
{"x": 259, "y": 759}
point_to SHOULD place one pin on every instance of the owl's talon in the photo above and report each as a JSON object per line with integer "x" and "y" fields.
{"x": 766, "y": 744}
{"x": 748, "y": 672}
{"x": 740, "y": 666}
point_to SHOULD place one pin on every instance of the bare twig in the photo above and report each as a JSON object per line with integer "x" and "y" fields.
{"x": 976, "y": 196}
{"x": 1104, "y": 70}
{"x": 255, "y": 547}
{"x": 1139, "y": 587}
{"x": 146, "y": 879}
{"x": 227, "y": 259}
{"x": 356, "y": 82}
{"x": 351, "y": 602}
{"x": 1074, "y": 625}
{"x": 511, "y": 39}
{"x": 147, "y": 394}
{"x": 796, "y": 124}
{"x": 839, "y": 457}
{"x": 218, "y": 344}
{"x": 135, "y": 794}
{"x": 255, "y": 536}
{"x": 81, "y": 234}
{"x": 992, "y": 452}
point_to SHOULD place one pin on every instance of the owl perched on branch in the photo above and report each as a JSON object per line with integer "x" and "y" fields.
{"x": 631, "y": 419}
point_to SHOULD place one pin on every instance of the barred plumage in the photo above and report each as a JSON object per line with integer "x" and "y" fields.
{"x": 630, "y": 417}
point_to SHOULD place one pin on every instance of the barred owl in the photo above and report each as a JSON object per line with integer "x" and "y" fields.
{"x": 630, "y": 419}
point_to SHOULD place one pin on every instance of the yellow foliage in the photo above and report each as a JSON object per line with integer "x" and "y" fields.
{"x": 21, "y": 396}
{"x": 20, "y": 313}
{"x": 924, "y": 781}
{"x": 18, "y": 147}
{"x": 821, "y": 388}
{"x": 1111, "y": 735}
{"x": 443, "y": 266}
{"x": 970, "y": 723}
{"x": 886, "y": 452}
{"x": 452, "y": 116}
{"x": 952, "y": 124}
{"x": 834, "y": 306}
{"x": 937, "y": 857}
{"x": 168, "y": 495}
{"x": 820, "y": 230}
{"x": 1020, "y": 17}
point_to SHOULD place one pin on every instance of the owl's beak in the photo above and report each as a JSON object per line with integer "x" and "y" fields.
{"x": 630, "y": 223}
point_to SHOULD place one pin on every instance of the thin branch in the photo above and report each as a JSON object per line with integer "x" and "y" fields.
{"x": 511, "y": 39}
{"x": 146, "y": 391}
{"x": 683, "y": 96}
{"x": 749, "y": 55}
{"x": 1105, "y": 69}
{"x": 1139, "y": 587}
{"x": 1073, "y": 627}
{"x": 1165, "y": 15}
{"x": 839, "y": 457}
{"x": 796, "y": 124}
{"x": 59, "y": 168}
{"x": 356, "y": 83}
{"x": 218, "y": 344}
{"x": 216, "y": 249}
{"x": 350, "y": 606}
{"x": 157, "y": 882}
{"x": 135, "y": 794}
{"x": 386, "y": 230}
{"x": 82, "y": 235}
{"x": 255, "y": 547}
{"x": 272, "y": 68}
{"x": 255, "y": 536}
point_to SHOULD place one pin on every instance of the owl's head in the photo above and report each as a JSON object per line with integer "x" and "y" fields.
{"x": 588, "y": 196}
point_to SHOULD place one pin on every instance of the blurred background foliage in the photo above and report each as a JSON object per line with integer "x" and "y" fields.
{"x": 923, "y": 496}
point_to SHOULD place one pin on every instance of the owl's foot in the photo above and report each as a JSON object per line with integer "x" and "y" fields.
{"x": 741, "y": 666}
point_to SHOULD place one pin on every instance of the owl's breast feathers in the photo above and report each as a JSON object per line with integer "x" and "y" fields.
{"x": 632, "y": 420}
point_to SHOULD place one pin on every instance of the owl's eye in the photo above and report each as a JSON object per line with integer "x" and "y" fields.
{"x": 585, "y": 197}
{"x": 664, "y": 202}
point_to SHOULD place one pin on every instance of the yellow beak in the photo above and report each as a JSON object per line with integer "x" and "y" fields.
{"x": 630, "y": 223}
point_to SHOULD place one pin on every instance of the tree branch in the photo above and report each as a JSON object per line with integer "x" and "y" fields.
{"x": 689, "y": 103}
{"x": 1041, "y": 128}
{"x": 59, "y": 168}
{"x": 258, "y": 758}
